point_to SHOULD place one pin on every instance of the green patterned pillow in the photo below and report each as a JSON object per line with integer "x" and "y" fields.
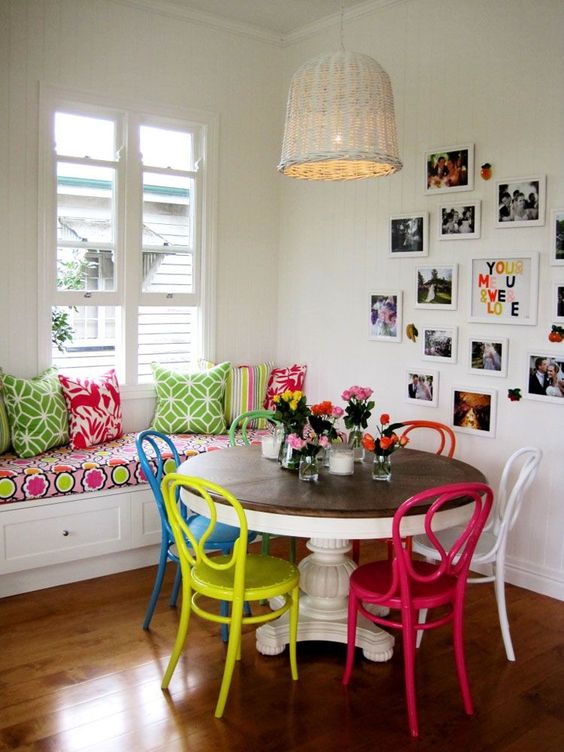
{"x": 37, "y": 413}
{"x": 4, "y": 425}
{"x": 190, "y": 402}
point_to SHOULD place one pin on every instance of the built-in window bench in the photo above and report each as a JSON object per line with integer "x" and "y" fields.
{"x": 69, "y": 515}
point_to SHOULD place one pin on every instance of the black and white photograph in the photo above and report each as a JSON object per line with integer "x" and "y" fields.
{"x": 459, "y": 221}
{"x": 439, "y": 343}
{"x": 487, "y": 356}
{"x": 436, "y": 287}
{"x": 559, "y": 301}
{"x": 545, "y": 377}
{"x": 449, "y": 169}
{"x": 520, "y": 201}
{"x": 408, "y": 235}
{"x": 422, "y": 386}
{"x": 557, "y": 237}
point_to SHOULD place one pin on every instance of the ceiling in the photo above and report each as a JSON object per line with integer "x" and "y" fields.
{"x": 279, "y": 18}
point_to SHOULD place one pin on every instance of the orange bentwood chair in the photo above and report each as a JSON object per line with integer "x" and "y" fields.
{"x": 407, "y": 586}
{"x": 236, "y": 577}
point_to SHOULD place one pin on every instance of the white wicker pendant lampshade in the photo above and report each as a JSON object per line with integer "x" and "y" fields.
{"x": 340, "y": 122}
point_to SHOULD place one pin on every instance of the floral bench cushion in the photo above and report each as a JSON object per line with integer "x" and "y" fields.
{"x": 63, "y": 471}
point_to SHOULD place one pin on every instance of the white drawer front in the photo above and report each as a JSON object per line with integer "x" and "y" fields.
{"x": 145, "y": 519}
{"x": 65, "y": 531}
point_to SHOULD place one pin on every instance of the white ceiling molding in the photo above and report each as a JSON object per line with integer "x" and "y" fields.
{"x": 243, "y": 28}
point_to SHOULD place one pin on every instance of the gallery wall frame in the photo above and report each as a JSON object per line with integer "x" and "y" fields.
{"x": 409, "y": 235}
{"x": 488, "y": 356}
{"x": 439, "y": 343}
{"x": 449, "y": 169}
{"x": 557, "y": 237}
{"x": 474, "y": 410}
{"x": 520, "y": 202}
{"x": 385, "y": 315}
{"x": 504, "y": 288}
{"x": 550, "y": 386}
{"x": 436, "y": 286}
{"x": 459, "y": 221}
{"x": 558, "y": 300}
{"x": 421, "y": 386}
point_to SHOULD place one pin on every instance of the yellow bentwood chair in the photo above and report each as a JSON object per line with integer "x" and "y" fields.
{"x": 236, "y": 578}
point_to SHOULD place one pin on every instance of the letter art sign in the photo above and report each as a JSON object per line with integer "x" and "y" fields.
{"x": 504, "y": 290}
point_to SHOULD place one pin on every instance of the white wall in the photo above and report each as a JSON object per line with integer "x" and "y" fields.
{"x": 482, "y": 72}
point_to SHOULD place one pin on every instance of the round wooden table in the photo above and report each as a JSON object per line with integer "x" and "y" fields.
{"x": 330, "y": 512}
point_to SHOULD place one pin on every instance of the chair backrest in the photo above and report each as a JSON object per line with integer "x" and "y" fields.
{"x": 244, "y": 419}
{"x": 191, "y": 551}
{"x": 157, "y": 456}
{"x": 510, "y": 497}
{"x": 445, "y": 434}
{"x": 454, "y": 562}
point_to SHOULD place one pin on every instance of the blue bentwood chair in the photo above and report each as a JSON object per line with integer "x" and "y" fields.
{"x": 156, "y": 461}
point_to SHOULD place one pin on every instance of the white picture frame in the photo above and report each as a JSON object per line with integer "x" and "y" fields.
{"x": 553, "y": 388}
{"x": 520, "y": 202}
{"x": 558, "y": 301}
{"x": 504, "y": 288}
{"x": 385, "y": 315}
{"x": 449, "y": 169}
{"x": 474, "y": 410}
{"x": 436, "y": 286}
{"x": 459, "y": 221}
{"x": 488, "y": 356}
{"x": 439, "y": 343}
{"x": 409, "y": 235}
{"x": 557, "y": 237}
{"x": 423, "y": 392}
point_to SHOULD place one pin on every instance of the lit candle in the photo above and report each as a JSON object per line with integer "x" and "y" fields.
{"x": 341, "y": 461}
{"x": 270, "y": 447}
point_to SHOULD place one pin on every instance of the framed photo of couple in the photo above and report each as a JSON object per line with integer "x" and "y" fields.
{"x": 459, "y": 221}
{"x": 487, "y": 356}
{"x": 409, "y": 235}
{"x": 544, "y": 378}
{"x": 436, "y": 286}
{"x": 422, "y": 387}
{"x": 520, "y": 201}
{"x": 557, "y": 237}
{"x": 449, "y": 169}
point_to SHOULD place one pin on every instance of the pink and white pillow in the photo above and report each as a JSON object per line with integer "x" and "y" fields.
{"x": 94, "y": 408}
{"x": 282, "y": 379}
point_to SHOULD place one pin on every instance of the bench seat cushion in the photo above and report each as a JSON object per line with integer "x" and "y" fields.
{"x": 63, "y": 471}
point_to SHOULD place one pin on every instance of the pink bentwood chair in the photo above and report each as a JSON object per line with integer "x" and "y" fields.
{"x": 408, "y": 586}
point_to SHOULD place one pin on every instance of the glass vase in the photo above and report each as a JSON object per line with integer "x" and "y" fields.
{"x": 355, "y": 443}
{"x": 309, "y": 468}
{"x": 382, "y": 467}
{"x": 288, "y": 457}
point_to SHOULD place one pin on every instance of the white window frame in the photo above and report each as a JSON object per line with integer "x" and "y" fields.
{"x": 128, "y": 295}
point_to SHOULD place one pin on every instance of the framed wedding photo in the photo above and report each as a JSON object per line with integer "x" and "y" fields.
{"x": 488, "y": 356}
{"x": 557, "y": 237}
{"x": 385, "y": 316}
{"x": 409, "y": 235}
{"x": 422, "y": 387}
{"x": 449, "y": 169}
{"x": 559, "y": 301}
{"x": 474, "y": 410}
{"x": 544, "y": 378}
{"x": 439, "y": 343}
{"x": 504, "y": 289}
{"x": 520, "y": 201}
{"x": 436, "y": 287}
{"x": 459, "y": 221}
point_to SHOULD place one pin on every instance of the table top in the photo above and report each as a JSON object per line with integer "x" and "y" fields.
{"x": 266, "y": 491}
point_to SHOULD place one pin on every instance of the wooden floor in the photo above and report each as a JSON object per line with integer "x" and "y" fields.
{"x": 77, "y": 672}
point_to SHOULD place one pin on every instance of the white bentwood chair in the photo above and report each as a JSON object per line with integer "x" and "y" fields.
{"x": 493, "y": 540}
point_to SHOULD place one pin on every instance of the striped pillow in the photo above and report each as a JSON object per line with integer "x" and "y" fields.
{"x": 245, "y": 390}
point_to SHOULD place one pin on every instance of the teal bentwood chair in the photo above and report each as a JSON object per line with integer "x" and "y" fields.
{"x": 157, "y": 456}
{"x": 237, "y": 578}
{"x": 243, "y": 421}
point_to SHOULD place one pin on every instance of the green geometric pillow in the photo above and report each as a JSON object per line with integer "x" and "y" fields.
{"x": 190, "y": 402}
{"x": 4, "y": 425}
{"x": 37, "y": 413}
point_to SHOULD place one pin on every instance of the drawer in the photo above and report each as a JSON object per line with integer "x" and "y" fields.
{"x": 64, "y": 531}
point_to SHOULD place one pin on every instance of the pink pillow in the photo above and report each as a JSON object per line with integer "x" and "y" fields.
{"x": 282, "y": 379}
{"x": 94, "y": 408}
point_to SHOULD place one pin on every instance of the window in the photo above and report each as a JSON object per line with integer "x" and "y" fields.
{"x": 125, "y": 238}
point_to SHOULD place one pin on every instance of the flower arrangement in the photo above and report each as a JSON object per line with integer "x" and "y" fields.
{"x": 359, "y": 407}
{"x": 387, "y": 441}
{"x": 322, "y": 419}
{"x": 291, "y": 410}
{"x": 308, "y": 445}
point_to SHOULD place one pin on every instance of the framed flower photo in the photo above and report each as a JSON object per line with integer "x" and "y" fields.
{"x": 385, "y": 316}
{"x": 557, "y": 237}
{"x": 436, "y": 287}
{"x": 459, "y": 221}
{"x": 520, "y": 201}
{"x": 544, "y": 378}
{"x": 449, "y": 169}
{"x": 474, "y": 410}
{"x": 504, "y": 289}
{"x": 422, "y": 387}
{"x": 559, "y": 301}
{"x": 439, "y": 343}
{"x": 487, "y": 356}
{"x": 409, "y": 235}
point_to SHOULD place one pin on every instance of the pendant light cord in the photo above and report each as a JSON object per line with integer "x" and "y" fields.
{"x": 341, "y": 32}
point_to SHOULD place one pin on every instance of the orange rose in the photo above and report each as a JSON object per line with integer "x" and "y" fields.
{"x": 384, "y": 419}
{"x": 368, "y": 442}
{"x": 386, "y": 442}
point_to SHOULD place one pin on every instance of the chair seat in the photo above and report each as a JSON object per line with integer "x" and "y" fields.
{"x": 221, "y": 534}
{"x": 376, "y": 577}
{"x": 264, "y": 577}
{"x": 483, "y": 551}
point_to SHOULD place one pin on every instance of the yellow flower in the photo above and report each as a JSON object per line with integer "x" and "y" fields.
{"x": 298, "y": 395}
{"x": 294, "y": 404}
{"x": 276, "y": 399}
{"x": 287, "y": 395}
